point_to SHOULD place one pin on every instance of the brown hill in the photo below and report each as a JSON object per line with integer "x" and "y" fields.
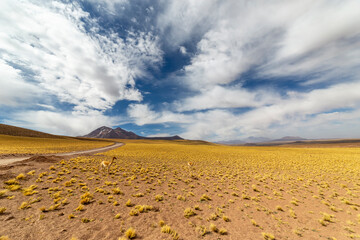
{"x": 119, "y": 133}
{"x": 23, "y": 132}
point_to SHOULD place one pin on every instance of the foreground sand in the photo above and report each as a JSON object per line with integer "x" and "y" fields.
{"x": 229, "y": 193}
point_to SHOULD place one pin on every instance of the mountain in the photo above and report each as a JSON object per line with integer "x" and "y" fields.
{"x": 245, "y": 141}
{"x": 231, "y": 142}
{"x": 106, "y": 132}
{"x": 289, "y": 139}
{"x": 23, "y": 132}
{"x": 176, "y": 137}
{"x": 256, "y": 139}
{"x": 119, "y": 133}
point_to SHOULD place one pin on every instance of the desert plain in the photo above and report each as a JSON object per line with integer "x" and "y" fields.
{"x": 309, "y": 191}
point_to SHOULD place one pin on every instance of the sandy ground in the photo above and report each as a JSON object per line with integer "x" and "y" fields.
{"x": 10, "y": 160}
{"x": 244, "y": 217}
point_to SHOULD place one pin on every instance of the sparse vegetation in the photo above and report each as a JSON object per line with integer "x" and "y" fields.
{"x": 2, "y": 210}
{"x": 159, "y": 198}
{"x": 86, "y": 220}
{"x": 130, "y": 233}
{"x": 167, "y": 229}
{"x": 252, "y": 187}
{"x": 188, "y": 212}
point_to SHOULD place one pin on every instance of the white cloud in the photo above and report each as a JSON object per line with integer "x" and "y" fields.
{"x": 14, "y": 90}
{"x": 141, "y": 114}
{"x": 159, "y": 135}
{"x": 309, "y": 43}
{"x": 231, "y": 97}
{"x": 183, "y": 50}
{"x": 89, "y": 70}
{"x": 299, "y": 38}
{"x": 180, "y": 20}
{"x": 61, "y": 123}
{"x": 110, "y": 6}
{"x": 322, "y": 24}
{"x": 57, "y": 49}
{"x": 295, "y": 113}
{"x": 49, "y": 107}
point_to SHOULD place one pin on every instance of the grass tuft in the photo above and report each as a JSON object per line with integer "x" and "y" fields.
{"x": 222, "y": 231}
{"x": 167, "y": 229}
{"x": 130, "y": 233}
{"x": 2, "y": 210}
{"x": 159, "y": 198}
{"x": 213, "y": 228}
{"x": 24, "y": 205}
{"x": 268, "y": 236}
{"x": 86, "y": 220}
{"x": 21, "y": 176}
{"x": 188, "y": 212}
{"x": 204, "y": 197}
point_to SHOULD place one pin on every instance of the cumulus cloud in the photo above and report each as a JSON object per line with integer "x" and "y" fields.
{"x": 159, "y": 135}
{"x": 142, "y": 114}
{"x": 87, "y": 69}
{"x": 297, "y": 110}
{"x": 307, "y": 43}
{"x": 231, "y": 97}
{"x": 61, "y": 123}
{"x": 295, "y": 113}
{"x": 299, "y": 38}
{"x": 183, "y": 50}
{"x": 181, "y": 20}
{"x": 59, "y": 49}
{"x": 14, "y": 91}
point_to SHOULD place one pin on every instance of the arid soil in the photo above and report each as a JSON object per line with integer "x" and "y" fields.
{"x": 225, "y": 200}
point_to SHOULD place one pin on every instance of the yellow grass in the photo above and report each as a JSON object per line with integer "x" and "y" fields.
{"x": 33, "y": 145}
{"x": 263, "y": 190}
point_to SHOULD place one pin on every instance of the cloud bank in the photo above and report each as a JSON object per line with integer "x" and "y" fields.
{"x": 314, "y": 46}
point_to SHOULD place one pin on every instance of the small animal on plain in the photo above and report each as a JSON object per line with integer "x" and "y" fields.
{"x": 107, "y": 164}
{"x": 190, "y": 164}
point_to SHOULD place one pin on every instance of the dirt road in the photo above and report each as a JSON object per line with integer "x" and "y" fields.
{"x": 11, "y": 160}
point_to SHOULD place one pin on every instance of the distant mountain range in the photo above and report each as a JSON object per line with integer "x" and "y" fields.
{"x": 119, "y": 133}
{"x": 255, "y": 140}
{"x": 289, "y": 138}
{"x": 109, "y": 133}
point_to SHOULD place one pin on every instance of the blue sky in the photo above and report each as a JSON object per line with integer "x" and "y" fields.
{"x": 205, "y": 69}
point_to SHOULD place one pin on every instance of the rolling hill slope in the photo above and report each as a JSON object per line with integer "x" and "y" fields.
{"x": 23, "y": 132}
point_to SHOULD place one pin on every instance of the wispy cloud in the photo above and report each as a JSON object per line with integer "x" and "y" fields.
{"x": 305, "y": 42}
{"x": 60, "y": 122}
{"x": 296, "y": 113}
{"x": 59, "y": 49}
{"x": 14, "y": 90}
{"x": 226, "y": 97}
{"x": 142, "y": 114}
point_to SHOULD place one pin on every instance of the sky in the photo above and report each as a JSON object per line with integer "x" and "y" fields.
{"x": 215, "y": 70}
